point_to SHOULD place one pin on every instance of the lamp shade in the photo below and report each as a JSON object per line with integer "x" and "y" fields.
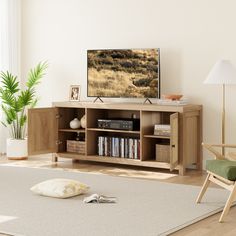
{"x": 223, "y": 72}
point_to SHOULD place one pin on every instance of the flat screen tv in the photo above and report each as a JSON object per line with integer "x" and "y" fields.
{"x": 127, "y": 73}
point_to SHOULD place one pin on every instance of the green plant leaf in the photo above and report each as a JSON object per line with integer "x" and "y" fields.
{"x": 23, "y": 120}
{"x": 10, "y": 114}
{"x": 34, "y": 103}
{"x": 26, "y": 97}
{"x": 9, "y": 82}
{"x": 17, "y": 106}
{"x": 36, "y": 74}
{"x": 7, "y": 97}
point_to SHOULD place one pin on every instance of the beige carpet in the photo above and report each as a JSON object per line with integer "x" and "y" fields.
{"x": 144, "y": 208}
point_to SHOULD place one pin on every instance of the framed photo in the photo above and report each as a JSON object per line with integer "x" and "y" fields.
{"x": 74, "y": 93}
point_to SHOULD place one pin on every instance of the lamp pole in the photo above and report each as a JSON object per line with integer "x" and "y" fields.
{"x": 223, "y": 120}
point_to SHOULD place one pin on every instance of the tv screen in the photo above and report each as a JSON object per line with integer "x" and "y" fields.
{"x": 123, "y": 73}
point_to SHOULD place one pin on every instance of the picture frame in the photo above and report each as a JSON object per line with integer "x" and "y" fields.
{"x": 74, "y": 94}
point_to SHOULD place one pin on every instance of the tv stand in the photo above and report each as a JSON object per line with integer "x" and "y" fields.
{"x": 49, "y": 130}
{"x": 98, "y": 98}
{"x": 147, "y": 100}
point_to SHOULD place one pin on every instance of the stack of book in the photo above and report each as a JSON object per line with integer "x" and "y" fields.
{"x": 162, "y": 130}
{"x": 119, "y": 147}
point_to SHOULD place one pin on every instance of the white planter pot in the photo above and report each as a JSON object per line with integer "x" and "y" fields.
{"x": 17, "y": 149}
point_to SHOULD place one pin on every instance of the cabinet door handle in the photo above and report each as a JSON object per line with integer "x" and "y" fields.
{"x": 58, "y": 116}
{"x": 173, "y": 145}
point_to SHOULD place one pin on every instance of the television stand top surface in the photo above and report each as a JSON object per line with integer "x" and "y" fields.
{"x": 128, "y": 106}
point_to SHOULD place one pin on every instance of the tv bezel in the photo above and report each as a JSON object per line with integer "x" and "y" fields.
{"x": 159, "y": 72}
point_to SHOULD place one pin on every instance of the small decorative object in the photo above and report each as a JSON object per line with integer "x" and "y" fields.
{"x": 173, "y": 97}
{"x": 77, "y": 137}
{"x": 74, "y": 93}
{"x": 75, "y": 123}
{"x": 83, "y": 121}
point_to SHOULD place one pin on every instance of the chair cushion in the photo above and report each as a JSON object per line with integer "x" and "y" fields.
{"x": 223, "y": 168}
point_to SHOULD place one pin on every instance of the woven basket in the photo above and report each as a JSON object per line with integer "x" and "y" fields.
{"x": 75, "y": 146}
{"x": 163, "y": 152}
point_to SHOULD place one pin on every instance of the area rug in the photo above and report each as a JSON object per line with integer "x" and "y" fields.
{"x": 144, "y": 207}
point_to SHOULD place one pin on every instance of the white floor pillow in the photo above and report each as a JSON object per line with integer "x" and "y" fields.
{"x": 60, "y": 188}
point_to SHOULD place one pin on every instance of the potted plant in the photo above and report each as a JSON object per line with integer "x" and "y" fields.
{"x": 15, "y": 102}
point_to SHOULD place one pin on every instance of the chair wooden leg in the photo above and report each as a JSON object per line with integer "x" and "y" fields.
{"x": 228, "y": 203}
{"x": 204, "y": 188}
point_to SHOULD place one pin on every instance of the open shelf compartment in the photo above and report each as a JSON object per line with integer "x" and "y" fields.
{"x": 95, "y": 114}
{"x": 153, "y": 144}
{"x": 66, "y": 115}
{"x": 113, "y": 144}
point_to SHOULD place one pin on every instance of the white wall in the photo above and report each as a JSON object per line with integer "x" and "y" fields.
{"x": 192, "y": 35}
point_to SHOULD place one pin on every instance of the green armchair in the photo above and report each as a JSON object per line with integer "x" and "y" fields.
{"x": 221, "y": 171}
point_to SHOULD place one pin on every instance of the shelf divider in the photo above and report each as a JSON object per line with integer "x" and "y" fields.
{"x": 114, "y": 130}
{"x": 156, "y": 136}
{"x": 72, "y": 130}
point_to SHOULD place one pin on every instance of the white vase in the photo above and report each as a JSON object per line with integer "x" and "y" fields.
{"x": 83, "y": 121}
{"x": 17, "y": 149}
{"x": 75, "y": 123}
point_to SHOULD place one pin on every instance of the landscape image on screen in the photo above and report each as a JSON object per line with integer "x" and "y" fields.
{"x": 123, "y": 73}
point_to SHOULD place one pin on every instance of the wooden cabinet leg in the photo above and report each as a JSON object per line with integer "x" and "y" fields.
{"x": 182, "y": 170}
{"x": 199, "y": 166}
{"x": 54, "y": 157}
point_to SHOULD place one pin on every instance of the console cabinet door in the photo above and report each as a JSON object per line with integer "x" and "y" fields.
{"x": 42, "y": 130}
{"x": 174, "y": 140}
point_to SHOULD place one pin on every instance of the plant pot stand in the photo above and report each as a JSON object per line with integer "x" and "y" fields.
{"x": 17, "y": 158}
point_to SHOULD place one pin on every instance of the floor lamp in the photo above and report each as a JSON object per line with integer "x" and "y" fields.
{"x": 223, "y": 73}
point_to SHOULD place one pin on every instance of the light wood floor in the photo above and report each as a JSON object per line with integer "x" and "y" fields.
{"x": 207, "y": 227}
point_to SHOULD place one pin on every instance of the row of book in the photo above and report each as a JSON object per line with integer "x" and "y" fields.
{"x": 119, "y": 147}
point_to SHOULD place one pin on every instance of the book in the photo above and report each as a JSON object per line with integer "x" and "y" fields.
{"x": 105, "y": 147}
{"x": 135, "y": 148}
{"x": 138, "y": 149}
{"x": 131, "y": 148}
{"x": 119, "y": 147}
{"x": 96, "y": 198}
{"x": 109, "y": 146}
{"x": 126, "y": 148}
{"x": 122, "y": 147}
{"x": 100, "y": 145}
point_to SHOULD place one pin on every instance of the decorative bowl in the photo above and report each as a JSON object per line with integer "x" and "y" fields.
{"x": 172, "y": 97}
